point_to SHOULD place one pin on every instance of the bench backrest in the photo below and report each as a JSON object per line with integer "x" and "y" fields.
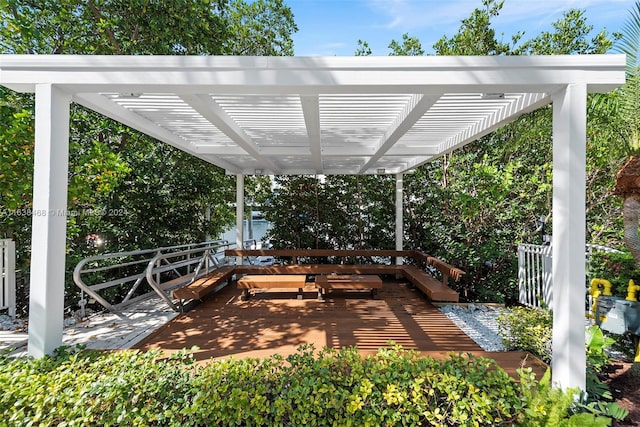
{"x": 421, "y": 258}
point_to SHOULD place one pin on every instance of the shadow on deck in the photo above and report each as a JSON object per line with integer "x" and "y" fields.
{"x": 276, "y": 322}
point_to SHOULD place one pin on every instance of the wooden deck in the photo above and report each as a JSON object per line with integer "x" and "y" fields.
{"x": 277, "y": 322}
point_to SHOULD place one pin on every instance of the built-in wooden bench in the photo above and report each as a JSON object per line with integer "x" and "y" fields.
{"x": 270, "y": 281}
{"x": 431, "y": 287}
{"x": 326, "y": 282}
{"x": 202, "y": 286}
{"x": 436, "y": 290}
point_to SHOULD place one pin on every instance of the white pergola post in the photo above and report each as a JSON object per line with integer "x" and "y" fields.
{"x": 399, "y": 217}
{"x": 239, "y": 215}
{"x": 568, "y": 362}
{"x": 48, "y": 241}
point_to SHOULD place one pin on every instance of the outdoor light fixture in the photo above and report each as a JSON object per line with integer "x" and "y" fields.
{"x": 258, "y": 172}
{"x": 381, "y": 170}
{"x": 129, "y": 95}
{"x": 541, "y": 222}
{"x": 493, "y": 96}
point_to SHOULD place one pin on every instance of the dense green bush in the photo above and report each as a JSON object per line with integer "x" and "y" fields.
{"x": 91, "y": 388}
{"x": 330, "y": 387}
{"x": 527, "y": 329}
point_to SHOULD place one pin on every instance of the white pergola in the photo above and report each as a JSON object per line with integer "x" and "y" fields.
{"x": 315, "y": 115}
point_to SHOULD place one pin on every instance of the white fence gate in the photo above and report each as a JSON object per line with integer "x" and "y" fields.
{"x": 534, "y": 275}
{"x": 534, "y": 272}
{"x": 8, "y": 276}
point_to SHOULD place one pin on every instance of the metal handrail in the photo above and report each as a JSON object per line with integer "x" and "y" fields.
{"x": 154, "y": 267}
{"x": 149, "y": 261}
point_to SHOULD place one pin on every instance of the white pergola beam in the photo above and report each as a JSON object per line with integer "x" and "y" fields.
{"x": 250, "y": 75}
{"x": 334, "y": 151}
{"x": 527, "y": 103}
{"x": 215, "y": 114}
{"x": 311, "y": 111}
{"x": 49, "y": 221}
{"x": 568, "y": 364}
{"x": 418, "y": 105}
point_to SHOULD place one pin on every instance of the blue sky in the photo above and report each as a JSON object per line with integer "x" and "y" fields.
{"x": 333, "y": 27}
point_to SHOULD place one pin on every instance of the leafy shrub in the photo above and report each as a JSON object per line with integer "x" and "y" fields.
{"x": 330, "y": 387}
{"x": 548, "y": 406}
{"x": 339, "y": 387}
{"x": 90, "y": 388}
{"x": 530, "y": 330}
{"x": 597, "y": 344}
{"x": 599, "y": 397}
{"x": 527, "y": 329}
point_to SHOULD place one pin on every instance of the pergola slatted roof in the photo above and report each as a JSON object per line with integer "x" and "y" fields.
{"x": 294, "y": 115}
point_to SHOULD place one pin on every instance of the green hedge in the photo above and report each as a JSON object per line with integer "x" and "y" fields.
{"x": 330, "y": 387}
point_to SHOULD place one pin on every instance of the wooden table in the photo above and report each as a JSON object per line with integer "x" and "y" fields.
{"x": 270, "y": 281}
{"x": 349, "y": 282}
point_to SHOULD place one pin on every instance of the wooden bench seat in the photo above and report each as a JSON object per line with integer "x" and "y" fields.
{"x": 267, "y": 281}
{"x": 202, "y": 286}
{"x": 431, "y": 287}
{"x": 270, "y": 281}
{"x": 327, "y": 282}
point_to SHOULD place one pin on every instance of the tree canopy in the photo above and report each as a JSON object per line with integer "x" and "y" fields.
{"x": 123, "y": 185}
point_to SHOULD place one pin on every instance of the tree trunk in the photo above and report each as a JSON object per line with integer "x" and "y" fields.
{"x": 628, "y": 186}
{"x": 631, "y": 214}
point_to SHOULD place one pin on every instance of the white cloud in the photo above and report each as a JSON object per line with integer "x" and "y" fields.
{"x": 412, "y": 15}
{"x": 408, "y": 15}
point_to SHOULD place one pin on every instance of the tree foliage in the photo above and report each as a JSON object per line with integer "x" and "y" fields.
{"x": 410, "y": 46}
{"x": 475, "y": 35}
{"x": 570, "y": 35}
{"x": 125, "y": 186}
{"x": 260, "y": 27}
{"x": 114, "y": 27}
{"x": 334, "y": 212}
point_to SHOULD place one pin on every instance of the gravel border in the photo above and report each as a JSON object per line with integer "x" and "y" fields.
{"x": 478, "y": 322}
